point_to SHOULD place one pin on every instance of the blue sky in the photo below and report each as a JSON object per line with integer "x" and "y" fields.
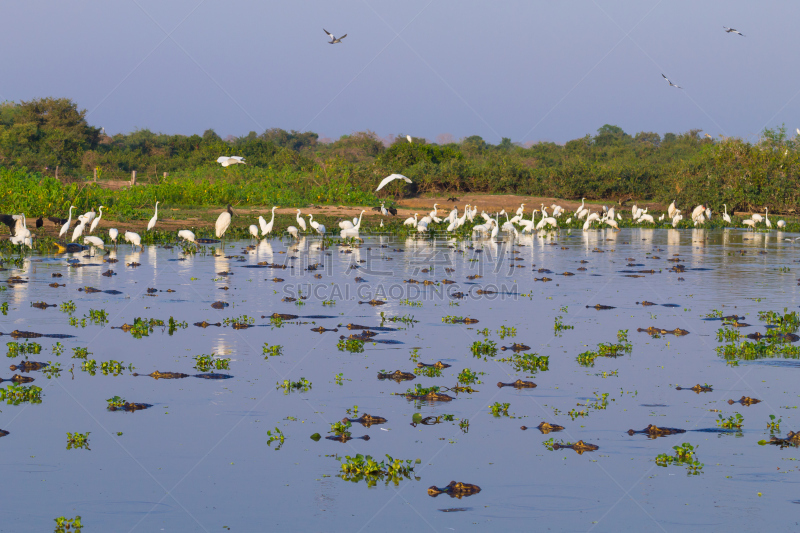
{"x": 527, "y": 70}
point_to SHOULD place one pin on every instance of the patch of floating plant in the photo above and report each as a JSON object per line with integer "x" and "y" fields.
{"x": 117, "y": 403}
{"x": 64, "y": 524}
{"x": 275, "y": 435}
{"x": 365, "y": 468}
{"x": 16, "y": 394}
{"x": 580, "y": 447}
{"x": 498, "y": 409}
{"x": 397, "y": 376}
{"x": 455, "y": 490}
{"x": 288, "y": 386}
{"x": 352, "y": 345}
{"x": 484, "y": 349}
{"x": 115, "y": 368}
{"x": 792, "y": 440}
{"x": 15, "y": 348}
{"x": 528, "y": 362}
{"x": 545, "y": 427}
{"x": 684, "y": 456}
{"x": 459, "y": 320}
{"x": 78, "y": 441}
{"x": 203, "y": 363}
{"x": 605, "y": 349}
{"x": 652, "y": 431}
{"x": 775, "y": 344}
{"x": 429, "y": 394}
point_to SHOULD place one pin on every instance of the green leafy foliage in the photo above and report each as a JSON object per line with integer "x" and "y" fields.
{"x": 204, "y": 363}
{"x": 16, "y": 394}
{"x": 350, "y": 345}
{"x": 684, "y": 455}
{"x": 734, "y": 421}
{"x": 484, "y": 349}
{"x": 78, "y": 440}
{"x": 364, "y": 467}
{"x": 289, "y": 386}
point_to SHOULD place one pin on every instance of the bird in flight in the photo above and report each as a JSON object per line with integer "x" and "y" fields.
{"x": 670, "y": 83}
{"x": 732, "y": 30}
{"x": 334, "y": 40}
{"x": 391, "y": 178}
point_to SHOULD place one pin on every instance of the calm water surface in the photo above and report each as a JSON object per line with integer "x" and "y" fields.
{"x": 198, "y": 459}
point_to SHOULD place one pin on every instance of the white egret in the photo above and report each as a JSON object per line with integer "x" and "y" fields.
{"x": 677, "y": 218}
{"x": 152, "y": 223}
{"x": 755, "y": 217}
{"x": 749, "y": 222}
{"x": 521, "y": 210}
{"x": 433, "y": 213}
{"x": 766, "y": 219}
{"x": 113, "y": 234}
{"x": 292, "y": 231}
{"x": 495, "y": 230}
{"x": 96, "y": 221}
{"x": 708, "y": 213}
{"x": 79, "y": 228}
{"x": 134, "y": 239}
{"x": 613, "y": 223}
{"x": 353, "y": 231}
{"x": 646, "y": 218}
{"x": 266, "y": 228}
{"x": 726, "y": 217}
{"x": 300, "y": 221}
{"x": 411, "y": 221}
{"x": 591, "y": 217}
{"x": 223, "y": 222}
{"x": 390, "y": 178}
{"x": 187, "y": 235}
{"x": 253, "y": 231}
{"x": 226, "y": 161}
{"x": 97, "y": 242}
{"x": 409, "y": 139}
{"x": 385, "y": 211}
{"x": 65, "y": 227}
{"x": 781, "y": 224}
{"x": 670, "y": 83}
{"x": 671, "y": 209}
{"x": 89, "y": 215}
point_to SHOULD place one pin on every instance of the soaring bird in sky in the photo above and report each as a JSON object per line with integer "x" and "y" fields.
{"x": 391, "y": 178}
{"x": 334, "y": 40}
{"x": 670, "y": 83}
{"x": 731, "y": 30}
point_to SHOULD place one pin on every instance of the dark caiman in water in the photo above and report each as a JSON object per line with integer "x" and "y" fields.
{"x": 28, "y": 366}
{"x": 545, "y": 427}
{"x": 41, "y": 305}
{"x": 792, "y": 439}
{"x": 579, "y": 447}
{"x": 519, "y": 384}
{"x": 16, "y": 378}
{"x": 455, "y": 490}
{"x": 344, "y": 437}
{"x": 205, "y": 324}
{"x": 320, "y": 329}
{"x": 600, "y": 307}
{"x": 744, "y": 400}
{"x": 437, "y": 364}
{"x": 697, "y": 388}
{"x": 366, "y": 420}
{"x": 661, "y": 331}
{"x": 397, "y": 376}
{"x": 431, "y": 397}
{"x": 129, "y": 406}
{"x": 516, "y": 347}
{"x": 653, "y": 431}
{"x": 163, "y": 375}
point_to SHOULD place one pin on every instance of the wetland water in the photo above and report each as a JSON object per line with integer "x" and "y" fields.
{"x": 199, "y": 458}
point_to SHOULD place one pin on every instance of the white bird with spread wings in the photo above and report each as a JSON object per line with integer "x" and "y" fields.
{"x": 389, "y": 179}
{"x": 334, "y": 40}
{"x": 670, "y": 83}
{"x": 731, "y": 30}
{"x": 226, "y": 161}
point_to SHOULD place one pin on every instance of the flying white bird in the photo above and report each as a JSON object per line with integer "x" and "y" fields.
{"x": 226, "y": 161}
{"x": 334, "y": 40}
{"x": 389, "y": 179}
{"x": 670, "y": 83}
{"x": 731, "y": 30}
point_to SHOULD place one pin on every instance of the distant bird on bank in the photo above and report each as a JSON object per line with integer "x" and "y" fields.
{"x": 334, "y": 40}
{"x": 731, "y": 30}
{"x": 389, "y": 179}
{"x": 670, "y": 83}
{"x": 226, "y": 161}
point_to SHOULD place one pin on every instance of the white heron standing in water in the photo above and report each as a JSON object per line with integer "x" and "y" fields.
{"x": 96, "y": 221}
{"x": 223, "y": 222}
{"x": 65, "y": 227}
{"x": 152, "y": 223}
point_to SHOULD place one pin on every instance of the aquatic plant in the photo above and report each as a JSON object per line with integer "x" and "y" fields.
{"x": 464, "y": 425}
{"x": 684, "y": 455}
{"x": 469, "y": 377}
{"x": 4, "y": 307}
{"x": 428, "y": 371}
{"x": 78, "y": 440}
{"x": 504, "y": 332}
{"x": 484, "y": 348}
{"x": 115, "y": 368}
{"x": 449, "y": 319}
{"x": 528, "y": 362}
{"x": 16, "y": 394}
{"x": 67, "y": 307}
{"x": 57, "y": 349}
{"x": 413, "y": 355}
{"x": 276, "y": 321}
{"x": 89, "y": 366}
{"x": 342, "y": 427}
{"x": 52, "y": 370}
{"x": 484, "y": 332}
{"x": 16, "y": 348}
{"x": 716, "y": 313}
{"x": 339, "y": 378}
{"x": 774, "y": 425}
{"x": 288, "y": 386}
{"x": 99, "y": 317}
{"x": 80, "y": 353}
{"x": 204, "y": 363}
{"x": 364, "y": 467}
{"x": 116, "y": 401}
{"x": 328, "y": 302}
{"x": 499, "y": 409}
{"x": 622, "y": 336}
{"x": 787, "y": 323}
{"x": 64, "y": 524}
{"x": 405, "y": 319}
{"x": 419, "y": 390}
{"x": 551, "y": 442}
{"x": 734, "y": 421}
{"x": 276, "y": 436}
{"x": 559, "y": 326}
{"x": 271, "y": 351}
{"x": 350, "y": 345}
{"x": 174, "y": 325}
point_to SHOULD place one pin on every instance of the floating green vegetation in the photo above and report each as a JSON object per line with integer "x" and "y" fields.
{"x": 559, "y": 326}
{"x": 485, "y": 332}
{"x": 204, "y": 363}
{"x": 113, "y": 367}
{"x": 244, "y": 319}
{"x": 275, "y": 435}
{"x": 405, "y": 319}
{"x": 728, "y": 334}
{"x": 419, "y": 390}
{"x": 607, "y": 349}
{"x": 80, "y": 353}
{"x": 364, "y": 467}
{"x": 606, "y": 374}
{"x": 428, "y": 371}
{"x": 414, "y": 355}
{"x": 142, "y": 327}
{"x": 716, "y": 313}
{"x": 350, "y": 345}
{"x": 57, "y": 349}
{"x": 734, "y": 421}
{"x": 684, "y": 455}
{"x": 4, "y": 307}
{"x": 78, "y": 440}
{"x": 622, "y": 336}
{"x": 776, "y": 343}
{"x": 504, "y": 332}
{"x": 89, "y": 366}
{"x": 464, "y": 425}
{"x": 116, "y": 402}
{"x": 411, "y": 303}
{"x": 328, "y": 302}
{"x": 276, "y": 321}
{"x": 774, "y": 425}
{"x": 787, "y": 323}
{"x": 484, "y": 348}
{"x": 551, "y": 442}
{"x": 469, "y": 377}
{"x": 52, "y": 370}
{"x": 99, "y": 317}
{"x": 499, "y": 409}
{"x": 67, "y": 307}
{"x": 342, "y": 427}
{"x": 271, "y": 351}
{"x": 16, "y": 394}
{"x": 528, "y": 362}
{"x": 574, "y": 413}
{"x": 16, "y": 348}
{"x": 339, "y": 378}
{"x": 74, "y": 322}
{"x": 450, "y": 319}
{"x": 68, "y": 524}
{"x": 288, "y": 386}
{"x": 174, "y": 325}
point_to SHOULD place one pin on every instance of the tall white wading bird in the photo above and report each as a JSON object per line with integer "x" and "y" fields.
{"x": 223, "y": 222}
{"x": 731, "y": 30}
{"x": 113, "y": 233}
{"x": 388, "y": 179}
{"x": 292, "y": 231}
{"x": 334, "y": 40}
{"x": 410, "y": 221}
{"x": 671, "y": 209}
{"x": 187, "y": 235}
{"x": 670, "y": 83}
{"x": 96, "y": 221}
{"x": 134, "y": 239}
{"x": 226, "y": 161}
{"x": 266, "y": 228}
{"x": 300, "y": 221}
{"x": 697, "y": 212}
{"x": 353, "y": 231}
{"x": 766, "y": 218}
{"x": 89, "y": 215}
{"x": 65, "y": 227}
{"x": 521, "y": 210}
{"x": 726, "y": 217}
{"x": 152, "y": 223}
{"x": 91, "y": 240}
{"x": 253, "y": 229}
{"x": 79, "y": 228}
{"x": 755, "y": 217}
{"x": 319, "y": 228}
